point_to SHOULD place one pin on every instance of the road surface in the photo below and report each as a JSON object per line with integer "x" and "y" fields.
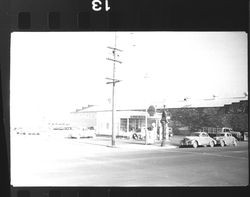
{"x": 37, "y": 161}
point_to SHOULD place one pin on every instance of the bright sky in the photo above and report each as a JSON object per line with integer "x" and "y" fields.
{"x": 55, "y": 73}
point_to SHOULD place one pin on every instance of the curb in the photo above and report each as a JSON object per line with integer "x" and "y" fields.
{"x": 144, "y": 147}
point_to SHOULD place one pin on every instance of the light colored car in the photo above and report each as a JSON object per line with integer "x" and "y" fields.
{"x": 89, "y": 132}
{"x": 26, "y": 131}
{"x": 73, "y": 132}
{"x": 79, "y": 132}
{"x": 225, "y": 138}
{"x": 198, "y": 139}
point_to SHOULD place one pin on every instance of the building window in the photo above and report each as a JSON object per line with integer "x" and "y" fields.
{"x": 107, "y": 125}
{"x": 123, "y": 124}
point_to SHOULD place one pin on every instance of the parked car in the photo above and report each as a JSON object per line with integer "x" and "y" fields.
{"x": 198, "y": 139}
{"x": 225, "y": 138}
{"x": 79, "y": 132}
{"x": 26, "y": 131}
{"x": 212, "y": 132}
{"x": 73, "y": 132}
{"x": 19, "y": 131}
{"x": 89, "y": 132}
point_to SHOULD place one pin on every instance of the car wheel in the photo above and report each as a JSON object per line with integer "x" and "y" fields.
{"x": 135, "y": 136}
{"x": 195, "y": 144}
{"x": 222, "y": 143}
{"x": 235, "y": 143}
{"x": 211, "y": 144}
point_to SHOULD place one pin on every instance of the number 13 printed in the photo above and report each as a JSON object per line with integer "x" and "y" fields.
{"x": 97, "y": 5}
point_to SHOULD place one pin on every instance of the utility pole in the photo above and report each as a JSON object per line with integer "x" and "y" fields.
{"x": 113, "y": 81}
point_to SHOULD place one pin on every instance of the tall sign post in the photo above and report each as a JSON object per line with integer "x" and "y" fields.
{"x": 151, "y": 111}
{"x": 164, "y": 123}
{"x": 146, "y": 128}
{"x": 167, "y": 129}
{"x": 113, "y": 82}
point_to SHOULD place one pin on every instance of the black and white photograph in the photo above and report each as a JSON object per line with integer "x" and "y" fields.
{"x": 129, "y": 109}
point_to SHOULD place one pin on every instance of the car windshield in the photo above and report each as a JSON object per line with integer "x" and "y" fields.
{"x": 195, "y": 134}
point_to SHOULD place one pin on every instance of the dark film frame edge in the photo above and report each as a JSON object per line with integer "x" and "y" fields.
{"x": 8, "y": 25}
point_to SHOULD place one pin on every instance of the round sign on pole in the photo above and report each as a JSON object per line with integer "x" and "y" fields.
{"x": 151, "y": 110}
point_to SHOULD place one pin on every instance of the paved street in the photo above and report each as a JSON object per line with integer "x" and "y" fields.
{"x": 38, "y": 161}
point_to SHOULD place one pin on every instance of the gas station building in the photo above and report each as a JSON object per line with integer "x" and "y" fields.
{"x": 126, "y": 120}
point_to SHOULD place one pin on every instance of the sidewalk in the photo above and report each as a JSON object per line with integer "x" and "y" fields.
{"x": 130, "y": 144}
{"x": 133, "y": 146}
{"x": 60, "y": 147}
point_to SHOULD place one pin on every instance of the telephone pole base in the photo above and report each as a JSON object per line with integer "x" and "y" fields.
{"x": 163, "y": 143}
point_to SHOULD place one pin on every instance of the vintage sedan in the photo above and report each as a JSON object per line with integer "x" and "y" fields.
{"x": 89, "y": 132}
{"x": 198, "y": 139}
{"x": 78, "y": 132}
{"x": 225, "y": 138}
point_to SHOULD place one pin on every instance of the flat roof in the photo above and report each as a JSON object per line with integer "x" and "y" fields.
{"x": 191, "y": 103}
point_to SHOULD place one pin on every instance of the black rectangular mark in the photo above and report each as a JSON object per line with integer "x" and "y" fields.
{"x": 24, "y": 20}
{"x": 54, "y": 20}
{"x": 54, "y": 193}
{"x": 83, "y": 20}
{"x": 23, "y": 193}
